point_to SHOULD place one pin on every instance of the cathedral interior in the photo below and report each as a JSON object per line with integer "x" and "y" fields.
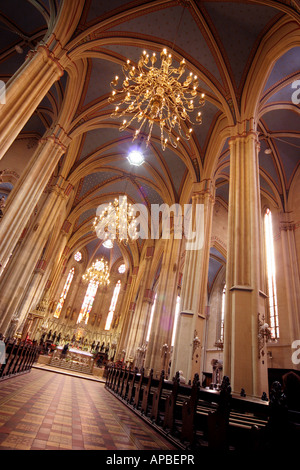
{"x": 230, "y": 306}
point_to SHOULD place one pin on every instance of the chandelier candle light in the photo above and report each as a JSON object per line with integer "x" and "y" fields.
{"x": 156, "y": 95}
{"x": 98, "y": 273}
{"x": 116, "y": 221}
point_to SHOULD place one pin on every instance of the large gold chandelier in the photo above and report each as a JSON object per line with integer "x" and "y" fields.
{"x": 116, "y": 222}
{"x": 158, "y": 95}
{"x": 98, "y": 273}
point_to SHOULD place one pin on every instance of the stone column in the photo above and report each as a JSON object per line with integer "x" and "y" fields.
{"x": 159, "y": 345}
{"x": 245, "y": 301}
{"x": 29, "y": 189}
{"x": 59, "y": 266}
{"x": 25, "y": 91}
{"x": 190, "y": 333}
{"x": 138, "y": 325}
{"x": 16, "y": 278}
{"x": 129, "y": 305}
{"x": 291, "y": 271}
{"x": 42, "y": 67}
{"x": 35, "y": 287}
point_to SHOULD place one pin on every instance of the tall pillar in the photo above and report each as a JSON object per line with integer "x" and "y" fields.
{"x": 159, "y": 345}
{"x": 58, "y": 268}
{"x": 43, "y": 66}
{"x": 54, "y": 266}
{"x": 35, "y": 288}
{"x": 29, "y": 189}
{"x": 138, "y": 324}
{"x": 25, "y": 91}
{"x": 291, "y": 271}
{"x": 16, "y": 278}
{"x": 191, "y": 323}
{"x": 128, "y": 308}
{"x": 245, "y": 301}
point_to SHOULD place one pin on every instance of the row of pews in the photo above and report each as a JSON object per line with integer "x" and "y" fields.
{"x": 193, "y": 417}
{"x": 17, "y": 357}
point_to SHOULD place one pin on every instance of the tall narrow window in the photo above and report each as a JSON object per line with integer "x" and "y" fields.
{"x": 113, "y": 305}
{"x": 221, "y": 340}
{"x": 88, "y": 302}
{"x": 151, "y": 318}
{"x": 271, "y": 272}
{"x": 177, "y": 307}
{"x": 64, "y": 293}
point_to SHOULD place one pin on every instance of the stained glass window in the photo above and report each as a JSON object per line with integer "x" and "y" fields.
{"x": 271, "y": 272}
{"x": 122, "y": 268}
{"x": 78, "y": 256}
{"x": 177, "y": 307}
{"x": 88, "y": 302}
{"x": 151, "y": 318}
{"x": 222, "y": 315}
{"x": 113, "y": 305}
{"x": 64, "y": 293}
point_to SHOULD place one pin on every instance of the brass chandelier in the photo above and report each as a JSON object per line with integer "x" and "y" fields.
{"x": 161, "y": 95}
{"x": 116, "y": 222}
{"x": 98, "y": 273}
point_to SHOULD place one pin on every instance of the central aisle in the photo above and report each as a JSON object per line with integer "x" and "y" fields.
{"x": 51, "y": 411}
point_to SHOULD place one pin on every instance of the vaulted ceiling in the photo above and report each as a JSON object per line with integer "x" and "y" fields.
{"x": 218, "y": 39}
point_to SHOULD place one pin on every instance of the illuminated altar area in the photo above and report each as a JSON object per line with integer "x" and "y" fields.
{"x": 74, "y": 359}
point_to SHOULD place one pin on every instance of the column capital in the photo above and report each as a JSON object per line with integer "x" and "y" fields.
{"x": 58, "y": 138}
{"x": 149, "y": 295}
{"x": 204, "y": 188}
{"x": 66, "y": 227}
{"x": 135, "y": 270}
{"x": 49, "y": 57}
{"x": 285, "y": 222}
{"x": 149, "y": 252}
{"x": 244, "y": 130}
{"x": 41, "y": 266}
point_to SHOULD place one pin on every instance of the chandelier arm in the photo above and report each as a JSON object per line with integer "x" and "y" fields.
{"x": 158, "y": 95}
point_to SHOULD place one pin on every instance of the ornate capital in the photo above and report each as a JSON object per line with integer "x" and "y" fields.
{"x": 285, "y": 224}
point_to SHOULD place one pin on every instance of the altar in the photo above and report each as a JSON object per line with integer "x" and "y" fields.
{"x": 74, "y": 359}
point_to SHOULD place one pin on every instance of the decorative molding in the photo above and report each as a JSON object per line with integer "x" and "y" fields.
{"x": 245, "y": 288}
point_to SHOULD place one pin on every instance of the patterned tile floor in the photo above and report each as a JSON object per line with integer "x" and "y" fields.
{"x": 44, "y": 410}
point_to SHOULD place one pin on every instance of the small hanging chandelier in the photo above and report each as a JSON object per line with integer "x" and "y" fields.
{"x": 116, "y": 222}
{"x": 158, "y": 95}
{"x": 98, "y": 273}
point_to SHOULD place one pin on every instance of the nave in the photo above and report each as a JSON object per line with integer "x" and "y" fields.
{"x": 46, "y": 410}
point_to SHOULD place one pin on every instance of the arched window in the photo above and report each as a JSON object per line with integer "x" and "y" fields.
{"x": 88, "y": 302}
{"x": 113, "y": 305}
{"x": 64, "y": 293}
{"x": 222, "y": 315}
{"x": 151, "y": 318}
{"x": 122, "y": 268}
{"x": 78, "y": 256}
{"x": 271, "y": 274}
{"x": 177, "y": 307}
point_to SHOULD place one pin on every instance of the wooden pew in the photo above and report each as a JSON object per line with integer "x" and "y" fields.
{"x": 156, "y": 400}
{"x": 117, "y": 379}
{"x": 170, "y": 404}
{"x": 146, "y": 394}
{"x": 138, "y": 390}
{"x": 189, "y": 408}
{"x": 121, "y": 380}
{"x": 124, "y": 390}
{"x": 194, "y": 416}
{"x": 131, "y": 387}
{"x": 20, "y": 357}
{"x": 218, "y": 421}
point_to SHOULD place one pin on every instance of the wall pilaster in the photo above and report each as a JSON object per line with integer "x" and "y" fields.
{"x": 191, "y": 324}
{"x": 245, "y": 301}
